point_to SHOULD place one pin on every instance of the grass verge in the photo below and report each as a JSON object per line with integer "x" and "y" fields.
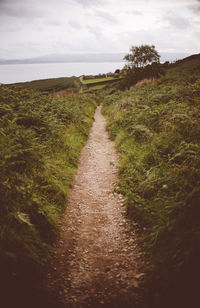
{"x": 157, "y": 135}
{"x": 40, "y": 142}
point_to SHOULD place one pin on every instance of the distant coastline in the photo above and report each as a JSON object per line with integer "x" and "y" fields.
{"x": 68, "y": 58}
{"x": 85, "y": 58}
{"x": 12, "y": 73}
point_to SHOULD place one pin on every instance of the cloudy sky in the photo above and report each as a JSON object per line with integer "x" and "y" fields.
{"x": 32, "y": 28}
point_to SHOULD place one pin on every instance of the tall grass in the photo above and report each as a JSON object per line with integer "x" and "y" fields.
{"x": 157, "y": 134}
{"x": 40, "y": 142}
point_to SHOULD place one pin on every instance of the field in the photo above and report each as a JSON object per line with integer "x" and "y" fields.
{"x": 67, "y": 84}
{"x": 97, "y": 83}
{"x": 97, "y": 80}
{"x": 52, "y": 84}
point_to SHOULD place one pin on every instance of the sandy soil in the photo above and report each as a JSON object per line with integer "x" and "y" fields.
{"x": 97, "y": 261}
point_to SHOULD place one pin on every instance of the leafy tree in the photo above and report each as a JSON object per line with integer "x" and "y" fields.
{"x": 140, "y": 56}
{"x": 143, "y": 62}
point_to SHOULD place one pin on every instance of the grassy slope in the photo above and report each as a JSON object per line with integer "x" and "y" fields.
{"x": 157, "y": 134}
{"x": 40, "y": 142}
{"x": 51, "y": 84}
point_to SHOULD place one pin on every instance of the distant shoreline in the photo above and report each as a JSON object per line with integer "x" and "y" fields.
{"x": 85, "y": 58}
{"x": 55, "y": 62}
{"x": 13, "y": 73}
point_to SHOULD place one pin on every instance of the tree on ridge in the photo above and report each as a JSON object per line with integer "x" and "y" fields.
{"x": 140, "y": 56}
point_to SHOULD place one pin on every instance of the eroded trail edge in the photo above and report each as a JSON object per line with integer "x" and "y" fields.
{"x": 97, "y": 262}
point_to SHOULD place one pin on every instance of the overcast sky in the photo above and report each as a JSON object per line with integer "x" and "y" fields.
{"x": 31, "y": 28}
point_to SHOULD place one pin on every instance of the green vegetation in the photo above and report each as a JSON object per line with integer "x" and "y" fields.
{"x": 140, "y": 56}
{"x": 143, "y": 62}
{"x": 97, "y": 80}
{"x": 95, "y": 84}
{"x": 157, "y": 134}
{"x": 98, "y": 87}
{"x": 40, "y": 142}
{"x": 52, "y": 84}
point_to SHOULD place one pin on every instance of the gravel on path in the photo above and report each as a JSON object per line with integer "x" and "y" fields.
{"x": 97, "y": 262}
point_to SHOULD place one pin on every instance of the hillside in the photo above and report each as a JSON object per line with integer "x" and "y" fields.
{"x": 185, "y": 69}
{"x": 156, "y": 130}
{"x": 51, "y": 84}
{"x": 40, "y": 141}
{"x": 157, "y": 135}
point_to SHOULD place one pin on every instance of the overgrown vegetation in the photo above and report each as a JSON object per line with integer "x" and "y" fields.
{"x": 40, "y": 141}
{"x": 157, "y": 134}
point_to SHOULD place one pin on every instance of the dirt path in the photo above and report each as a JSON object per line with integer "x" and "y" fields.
{"x": 97, "y": 262}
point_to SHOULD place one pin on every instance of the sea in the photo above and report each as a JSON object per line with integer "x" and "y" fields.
{"x": 12, "y": 73}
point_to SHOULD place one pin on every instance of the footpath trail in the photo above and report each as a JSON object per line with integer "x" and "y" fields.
{"x": 97, "y": 261}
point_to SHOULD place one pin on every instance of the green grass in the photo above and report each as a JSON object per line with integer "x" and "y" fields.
{"x": 51, "y": 84}
{"x": 157, "y": 134}
{"x": 40, "y": 142}
{"x": 96, "y": 80}
{"x": 185, "y": 70}
{"x": 98, "y": 87}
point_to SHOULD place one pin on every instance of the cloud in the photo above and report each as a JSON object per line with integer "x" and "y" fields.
{"x": 75, "y": 25}
{"x": 136, "y": 12}
{"x": 31, "y": 28}
{"x": 18, "y": 9}
{"x": 195, "y": 8}
{"x": 106, "y": 17}
{"x": 177, "y": 22}
{"x": 97, "y": 32}
{"x": 87, "y": 3}
{"x": 54, "y": 22}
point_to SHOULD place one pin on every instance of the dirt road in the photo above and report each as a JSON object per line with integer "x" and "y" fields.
{"x": 97, "y": 262}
